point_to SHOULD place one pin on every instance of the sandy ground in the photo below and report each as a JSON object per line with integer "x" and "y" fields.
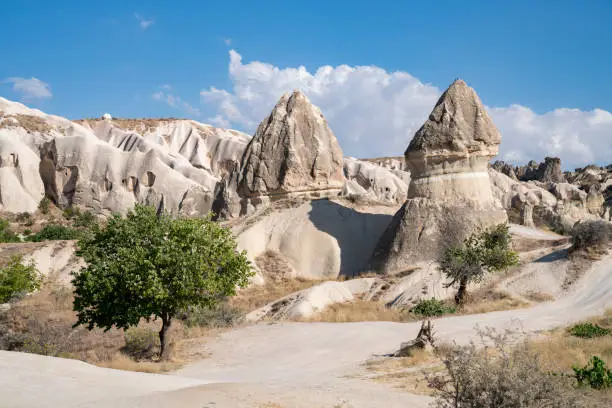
{"x": 287, "y": 364}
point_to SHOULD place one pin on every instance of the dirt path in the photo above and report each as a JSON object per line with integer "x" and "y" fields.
{"x": 288, "y": 364}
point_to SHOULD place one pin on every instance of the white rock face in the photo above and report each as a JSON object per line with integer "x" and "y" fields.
{"x": 554, "y": 205}
{"x": 378, "y": 182}
{"x": 109, "y": 165}
{"x": 318, "y": 239}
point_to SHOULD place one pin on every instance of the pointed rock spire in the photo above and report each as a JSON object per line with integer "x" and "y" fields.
{"x": 293, "y": 150}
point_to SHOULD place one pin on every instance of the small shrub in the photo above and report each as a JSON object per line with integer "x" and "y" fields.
{"x": 17, "y": 279}
{"x": 591, "y": 234}
{"x": 6, "y": 234}
{"x": 44, "y": 204}
{"x": 223, "y": 315}
{"x": 23, "y": 217}
{"x": 70, "y": 213}
{"x": 27, "y": 232}
{"x": 84, "y": 220}
{"x": 141, "y": 342}
{"x": 53, "y": 232}
{"x": 503, "y": 374}
{"x": 588, "y": 330}
{"x": 595, "y": 374}
{"x": 432, "y": 307}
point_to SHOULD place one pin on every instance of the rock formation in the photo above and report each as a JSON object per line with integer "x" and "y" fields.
{"x": 449, "y": 194}
{"x": 376, "y": 182}
{"x": 106, "y": 165}
{"x": 293, "y": 153}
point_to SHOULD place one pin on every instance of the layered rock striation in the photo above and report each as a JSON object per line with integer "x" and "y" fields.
{"x": 449, "y": 193}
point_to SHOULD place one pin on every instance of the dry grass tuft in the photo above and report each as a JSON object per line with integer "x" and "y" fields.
{"x": 30, "y": 123}
{"x": 358, "y": 311}
{"x": 539, "y": 297}
{"x": 256, "y": 296}
{"x": 489, "y": 300}
{"x": 559, "y": 350}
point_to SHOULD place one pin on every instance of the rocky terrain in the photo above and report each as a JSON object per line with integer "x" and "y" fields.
{"x": 360, "y": 230}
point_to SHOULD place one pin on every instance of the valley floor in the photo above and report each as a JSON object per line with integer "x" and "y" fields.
{"x": 282, "y": 364}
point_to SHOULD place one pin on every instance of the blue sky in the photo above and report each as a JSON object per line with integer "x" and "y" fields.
{"x": 148, "y": 59}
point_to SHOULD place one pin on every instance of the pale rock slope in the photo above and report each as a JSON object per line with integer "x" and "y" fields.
{"x": 106, "y": 165}
{"x": 449, "y": 193}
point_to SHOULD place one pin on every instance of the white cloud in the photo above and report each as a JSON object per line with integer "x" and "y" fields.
{"x": 375, "y": 113}
{"x": 30, "y": 89}
{"x": 227, "y": 41}
{"x": 176, "y": 102}
{"x": 143, "y": 22}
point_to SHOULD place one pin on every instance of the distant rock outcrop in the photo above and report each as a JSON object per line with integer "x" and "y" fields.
{"x": 376, "y": 182}
{"x": 450, "y": 193}
{"x": 549, "y": 171}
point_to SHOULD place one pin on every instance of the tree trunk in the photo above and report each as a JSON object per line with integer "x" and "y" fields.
{"x": 461, "y": 292}
{"x": 164, "y": 352}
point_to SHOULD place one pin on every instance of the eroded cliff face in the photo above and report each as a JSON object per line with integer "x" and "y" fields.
{"x": 449, "y": 193}
{"x": 107, "y": 165}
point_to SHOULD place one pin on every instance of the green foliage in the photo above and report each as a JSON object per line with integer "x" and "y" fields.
{"x": 141, "y": 342}
{"x": 145, "y": 265}
{"x": 432, "y": 307}
{"x": 595, "y": 374}
{"x": 483, "y": 251}
{"x": 588, "y": 330}
{"x": 6, "y": 234}
{"x": 44, "y": 204}
{"x": 17, "y": 279}
{"x": 220, "y": 315}
{"x": 84, "y": 220}
{"x": 53, "y": 232}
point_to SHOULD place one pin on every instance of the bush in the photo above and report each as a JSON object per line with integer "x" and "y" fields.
{"x": 17, "y": 279}
{"x": 6, "y": 234}
{"x": 141, "y": 342}
{"x": 84, "y": 220}
{"x": 221, "y": 315}
{"x": 484, "y": 251}
{"x": 588, "y": 330}
{"x": 591, "y": 234}
{"x": 43, "y": 206}
{"x": 23, "y": 217}
{"x": 53, "y": 232}
{"x": 596, "y": 376}
{"x": 501, "y": 375}
{"x": 432, "y": 307}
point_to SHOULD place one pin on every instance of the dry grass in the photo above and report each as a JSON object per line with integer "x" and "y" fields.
{"x": 42, "y": 323}
{"x": 405, "y": 373}
{"x": 358, "y": 311}
{"x": 30, "y": 123}
{"x": 142, "y": 125}
{"x": 538, "y": 297}
{"x": 490, "y": 300}
{"x": 559, "y": 350}
{"x": 256, "y": 296}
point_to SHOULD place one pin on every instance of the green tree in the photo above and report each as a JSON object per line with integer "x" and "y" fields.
{"x": 17, "y": 278}
{"x": 149, "y": 265}
{"x": 484, "y": 251}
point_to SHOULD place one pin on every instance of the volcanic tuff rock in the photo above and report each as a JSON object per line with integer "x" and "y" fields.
{"x": 293, "y": 153}
{"x": 293, "y": 150}
{"x": 106, "y": 165}
{"x": 449, "y": 194}
{"x": 549, "y": 171}
{"x": 378, "y": 183}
